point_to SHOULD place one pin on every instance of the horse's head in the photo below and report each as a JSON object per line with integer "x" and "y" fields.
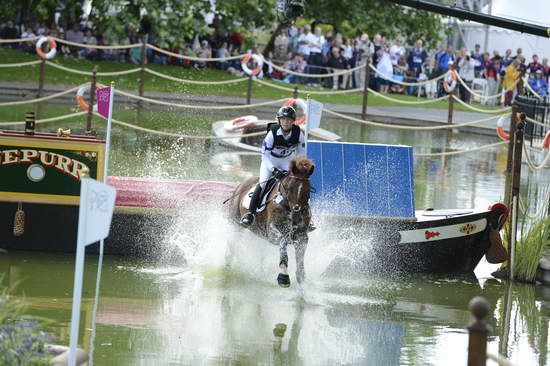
{"x": 295, "y": 185}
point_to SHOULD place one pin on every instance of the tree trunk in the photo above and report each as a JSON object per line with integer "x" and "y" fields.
{"x": 270, "y": 46}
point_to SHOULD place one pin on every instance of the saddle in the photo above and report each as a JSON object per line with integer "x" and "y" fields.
{"x": 270, "y": 184}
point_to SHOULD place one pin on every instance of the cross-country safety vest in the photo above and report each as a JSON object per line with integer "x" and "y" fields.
{"x": 282, "y": 147}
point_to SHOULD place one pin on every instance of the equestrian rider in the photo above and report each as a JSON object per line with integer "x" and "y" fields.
{"x": 282, "y": 140}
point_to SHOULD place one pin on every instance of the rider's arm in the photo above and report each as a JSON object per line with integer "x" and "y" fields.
{"x": 301, "y": 148}
{"x": 267, "y": 146}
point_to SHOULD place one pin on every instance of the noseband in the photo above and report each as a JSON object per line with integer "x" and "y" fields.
{"x": 284, "y": 193}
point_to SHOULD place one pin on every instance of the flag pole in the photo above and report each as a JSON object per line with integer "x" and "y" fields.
{"x": 307, "y": 121}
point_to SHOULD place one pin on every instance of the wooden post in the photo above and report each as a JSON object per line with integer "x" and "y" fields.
{"x": 517, "y": 141}
{"x": 478, "y": 330}
{"x": 510, "y": 158}
{"x": 249, "y": 90}
{"x": 295, "y": 92}
{"x": 143, "y": 61}
{"x": 92, "y": 100}
{"x": 451, "y": 101}
{"x": 41, "y": 77}
{"x": 366, "y": 89}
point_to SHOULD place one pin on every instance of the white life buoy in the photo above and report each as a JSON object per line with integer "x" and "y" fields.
{"x": 80, "y": 97}
{"x": 51, "y": 52}
{"x": 259, "y": 63}
{"x": 240, "y": 123}
{"x": 300, "y": 103}
{"x": 450, "y": 82}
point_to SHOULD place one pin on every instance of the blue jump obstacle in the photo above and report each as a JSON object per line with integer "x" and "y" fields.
{"x": 362, "y": 179}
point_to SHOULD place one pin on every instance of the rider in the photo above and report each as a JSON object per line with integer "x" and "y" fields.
{"x": 282, "y": 139}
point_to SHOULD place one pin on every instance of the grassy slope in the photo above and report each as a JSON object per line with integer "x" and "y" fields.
{"x": 153, "y": 83}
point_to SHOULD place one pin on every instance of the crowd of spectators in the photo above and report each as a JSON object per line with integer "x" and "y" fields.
{"x": 301, "y": 50}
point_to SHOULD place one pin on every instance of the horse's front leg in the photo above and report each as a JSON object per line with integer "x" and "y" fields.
{"x": 282, "y": 239}
{"x": 300, "y": 246}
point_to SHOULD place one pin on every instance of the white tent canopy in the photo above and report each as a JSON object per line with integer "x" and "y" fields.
{"x": 529, "y": 11}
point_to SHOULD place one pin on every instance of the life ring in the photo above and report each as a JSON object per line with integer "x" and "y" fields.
{"x": 240, "y": 123}
{"x": 51, "y": 52}
{"x": 546, "y": 142}
{"x": 450, "y": 82}
{"x": 500, "y": 129}
{"x": 80, "y": 97}
{"x": 259, "y": 63}
{"x": 300, "y": 103}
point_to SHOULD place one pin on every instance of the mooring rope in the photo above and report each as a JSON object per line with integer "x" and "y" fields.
{"x": 412, "y": 102}
{"x": 101, "y": 47}
{"x": 347, "y": 91}
{"x": 481, "y": 110}
{"x": 29, "y": 63}
{"x": 192, "y": 58}
{"x": 45, "y": 120}
{"x": 447, "y": 153}
{"x": 37, "y": 100}
{"x": 88, "y": 73}
{"x": 19, "y": 40}
{"x": 338, "y": 73}
{"x": 418, "y": 83}
{"x": 194, "y": 81}
{"x": 532, "y": 165}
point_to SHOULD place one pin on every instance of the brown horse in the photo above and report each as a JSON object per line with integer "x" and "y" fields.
{"x": 286, "y": 216}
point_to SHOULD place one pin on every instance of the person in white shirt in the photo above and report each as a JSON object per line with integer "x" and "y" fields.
{"x": 315, "y": 59}
{"x": 303, "y": 43}
{"x": 283, "y": 140}
{"x": 466, "y": 67}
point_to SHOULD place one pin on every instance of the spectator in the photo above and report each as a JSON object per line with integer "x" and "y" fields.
{"x": 73, "y": 35}
{"x": 9, "y": 32}
{"x": 492, "y": 74}
{"x": 293, "y": 37}
{"x": 223, "y": 52}
{"x": 444, "y": 59}
{"x": 466, "y": 71}
{"x": 89, "y": 52}
{"x": 385, "y": 68}
{"x": 511, "y": 75}
{"x": 337, "y": 62}
{"x": 477, "y": 55}
{"x": 237, "y": 41}
{"x": 203, "y": 52}
{"x": 534, "y": 65}
{"x": 545, "y": 68}
{"x": 400, "y": 70}
{"x": 28, "y": 46}
{"x": 315, "y": 59}
{"x": 416, "y": 57}
{"x": 303, "y": 43}
{"x": 538, "y": 84}
{"x": 377, "y": 45}
{"x": 281, "y": 45}
{"x": 296, "y": 64}
{"x": 507, "y": 59}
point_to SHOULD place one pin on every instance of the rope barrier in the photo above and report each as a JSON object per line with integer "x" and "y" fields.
{"x": 282, "y": 69}
{"x": 45, "y": 120}
{"x": 192, "y": 58}
{"x": 405, "y": 101}
{"x": 529, "y": 119}
{"x": 498, "y": 358}
{"x": 88, "y": 73}
{"x": 84, "y": 45}
{"x": 194, "y": 81}
{"x": 481, "y": 96}
{"x": 532, "y": 165}
{"x": 37, "y": 100}
{"x": 19, "y": 40}
{"x": 463, "y": 151}
{"x": 404, "y": 127}
{"x": 241, "y": 106}
{"x": 481, "y": 110}
{"x": 173, "y": 134}
{"x": 542, "y": 208}
{"x": 419, "y": 83}
{"x": 347, "y": 91}
{"x": 21, "y": 64}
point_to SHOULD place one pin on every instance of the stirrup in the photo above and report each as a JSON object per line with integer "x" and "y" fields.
{"x": 247, "y": 219}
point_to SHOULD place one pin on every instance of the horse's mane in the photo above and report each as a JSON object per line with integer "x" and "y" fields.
{"x": 301, "y": 166}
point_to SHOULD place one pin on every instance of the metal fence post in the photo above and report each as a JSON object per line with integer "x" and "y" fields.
{"x": 478, "y": 330}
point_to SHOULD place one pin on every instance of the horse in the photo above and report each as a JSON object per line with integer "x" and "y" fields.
{"x": 285, "y": 218}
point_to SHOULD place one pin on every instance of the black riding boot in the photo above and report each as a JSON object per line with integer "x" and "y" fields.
{"x": 248, "y": 218}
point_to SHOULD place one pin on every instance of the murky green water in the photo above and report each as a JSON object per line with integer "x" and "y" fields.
{"x": 204, "y": 313}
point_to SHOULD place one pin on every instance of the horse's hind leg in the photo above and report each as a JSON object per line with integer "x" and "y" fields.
{"x": 300, "y": 246}
{"x": 283, "y": 279}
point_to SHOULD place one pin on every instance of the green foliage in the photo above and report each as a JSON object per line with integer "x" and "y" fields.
{"x": 530, "y": 249}
{"x": 21, "y": 341}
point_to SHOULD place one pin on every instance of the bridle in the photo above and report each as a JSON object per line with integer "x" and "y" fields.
{"x": 283, "y": 191}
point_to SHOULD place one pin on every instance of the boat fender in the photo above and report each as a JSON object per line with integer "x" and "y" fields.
{"x": 450, "y": 82}
{"x": 80, "y": 97}
{"x": 291, "y": 102}
{"x": 259, "y": 63}
{"x": 19, "y": 221}
{"x": 497, "y": 252}
{"x": 51, "y": 52}
{"x": 500, "y": 128}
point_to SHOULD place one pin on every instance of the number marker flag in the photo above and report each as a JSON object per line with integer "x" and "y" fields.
{"x": 314, "y": 112}
{"x": 97, "y": 202}
{"x": 104, "y": 101}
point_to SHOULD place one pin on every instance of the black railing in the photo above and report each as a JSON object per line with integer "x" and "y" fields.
{"x": 537, "y": 109}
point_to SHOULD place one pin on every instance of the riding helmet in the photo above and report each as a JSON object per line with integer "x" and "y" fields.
{"x": 287, "y": 112}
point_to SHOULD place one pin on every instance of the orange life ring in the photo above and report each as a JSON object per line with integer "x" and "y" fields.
{"x": 500, "y": 129}
{"x": 240, "y": 123}
{"x": 303, "y": 106}
{"x": 51, "y": 52}
{"x": 450, "y": 82}
{"x": 259, "y": 63}
{"x": 80, "y": 97}
{"x": 546, "y": 142}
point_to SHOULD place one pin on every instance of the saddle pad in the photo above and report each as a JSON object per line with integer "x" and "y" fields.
{"x": 267, "y": 190}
